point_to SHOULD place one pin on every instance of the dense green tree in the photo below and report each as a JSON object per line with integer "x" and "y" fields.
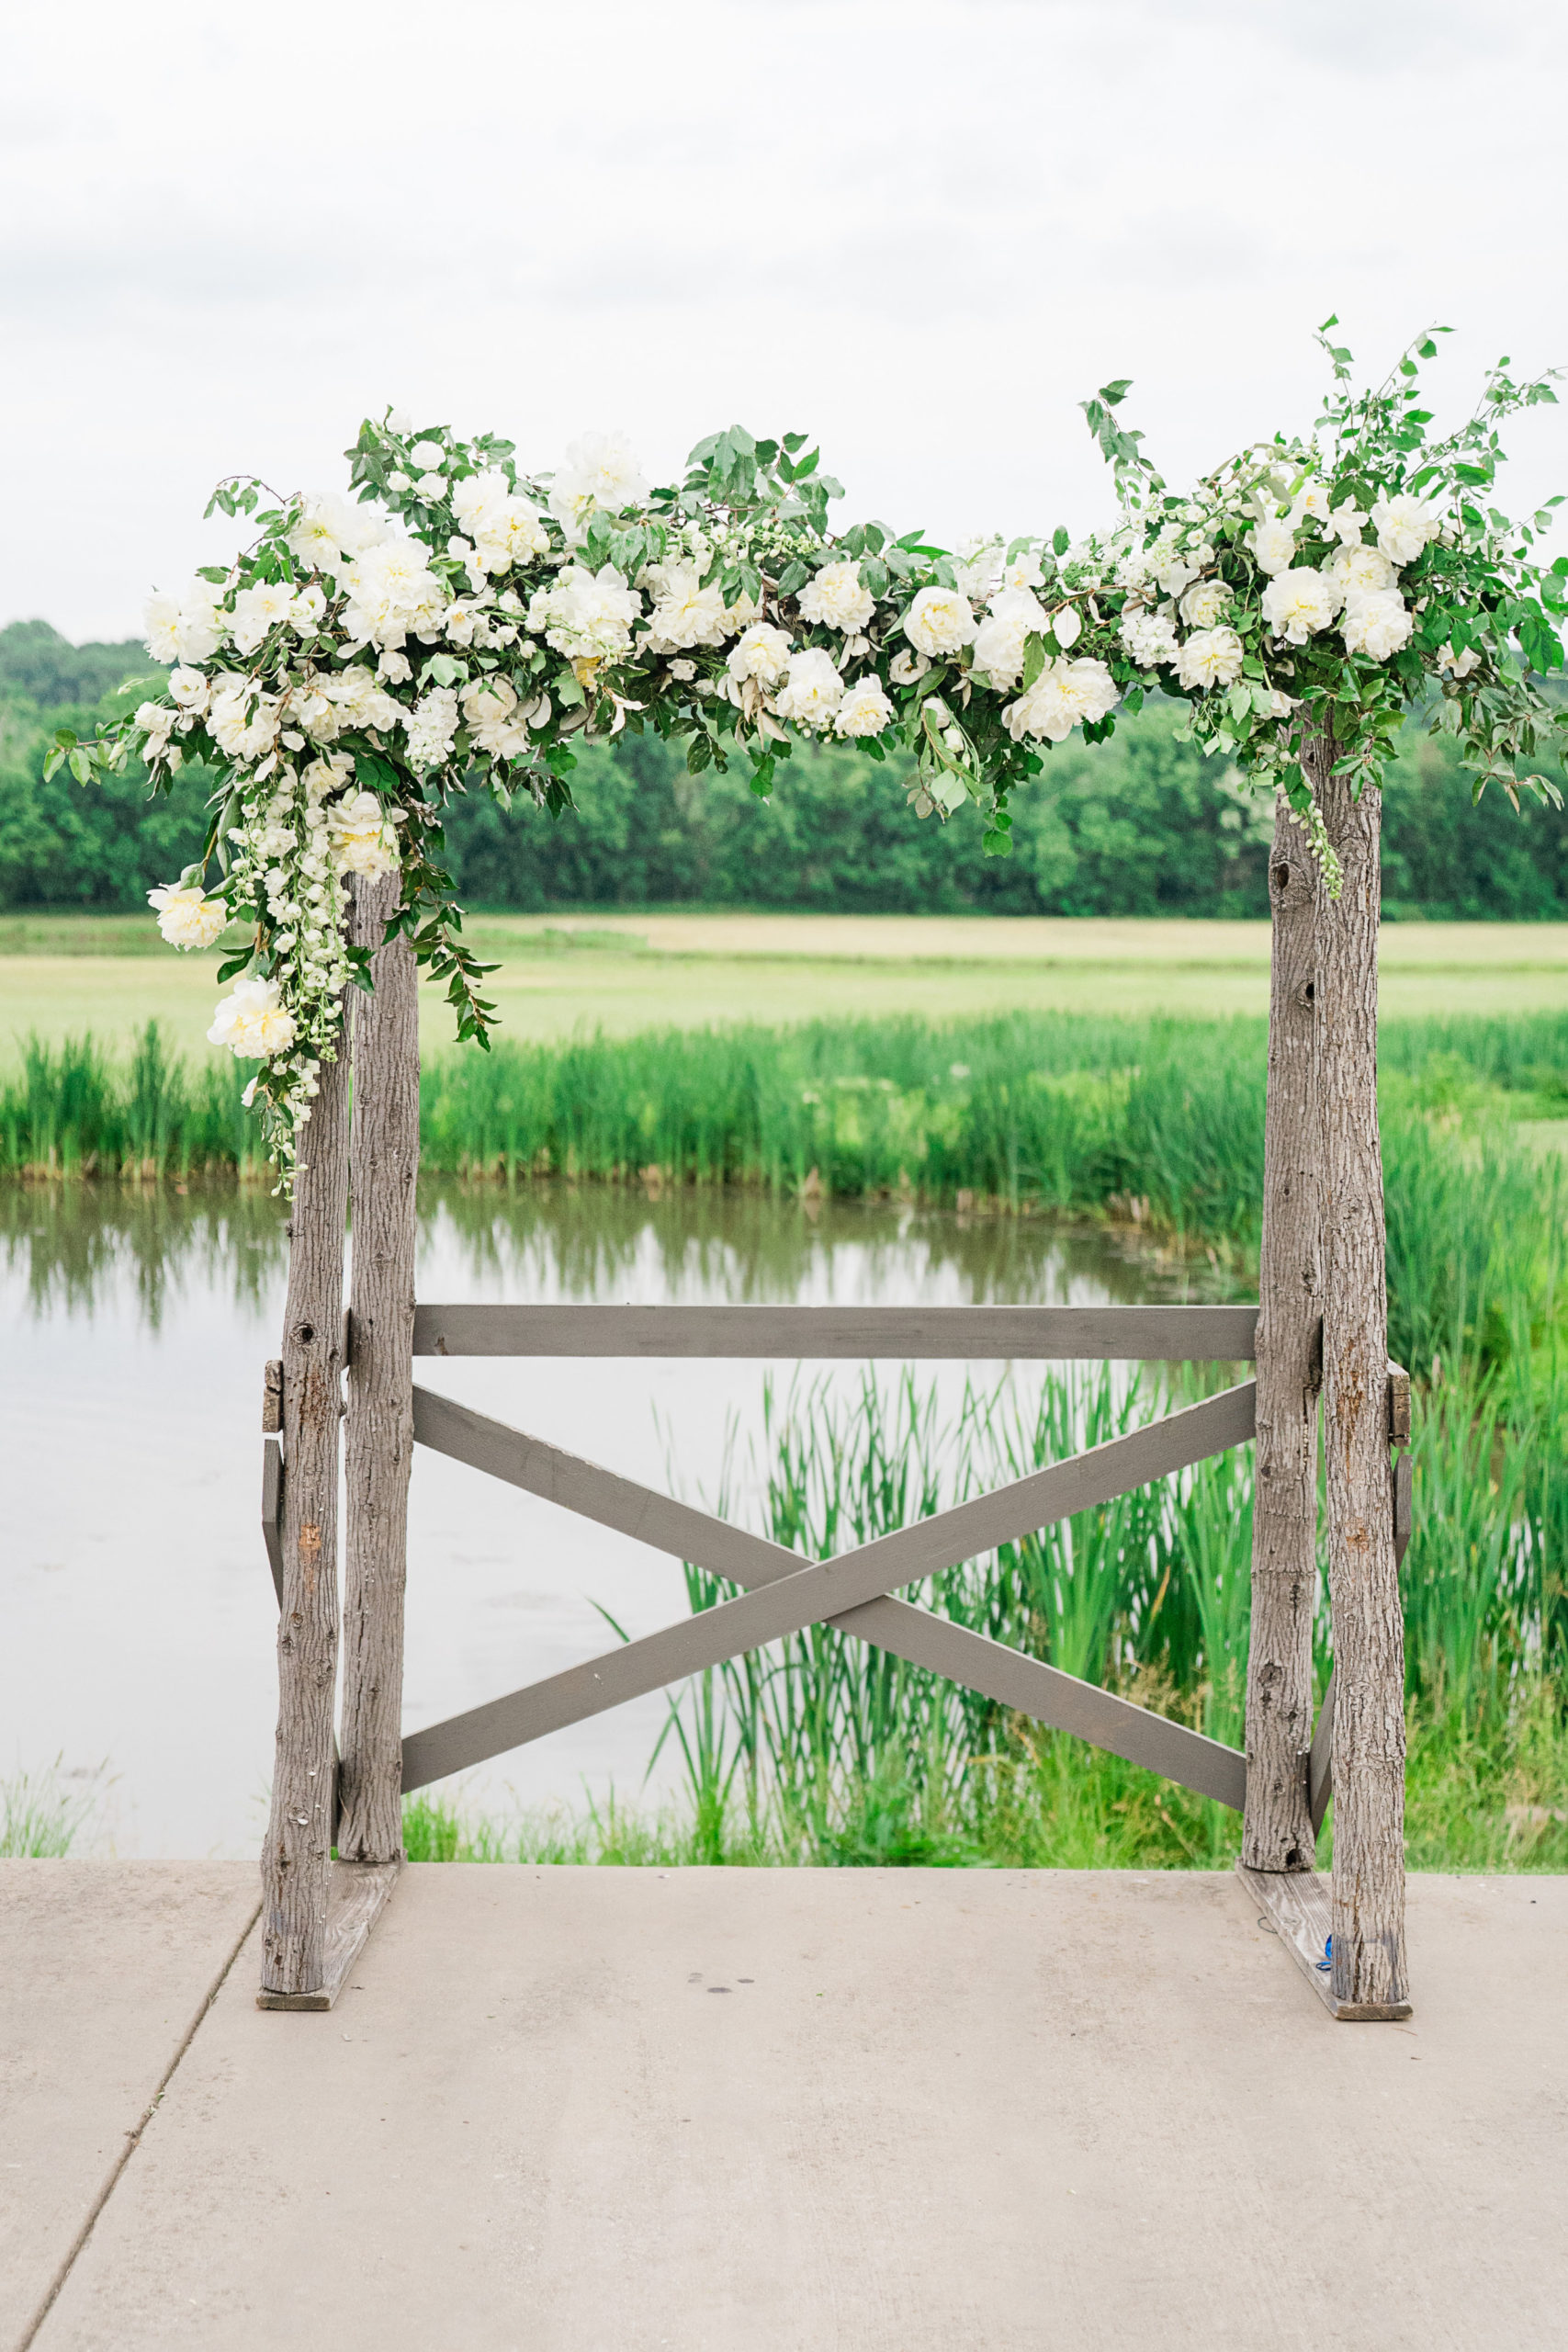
{"x": 1142, "y": 825}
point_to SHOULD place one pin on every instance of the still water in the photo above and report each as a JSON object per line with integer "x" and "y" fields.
{"x": 136, "y": 1609}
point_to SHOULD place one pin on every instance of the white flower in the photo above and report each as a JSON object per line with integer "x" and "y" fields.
{"x": 813, "y": 690}
{"x": 258, "y": 611}
{"x": 1149, "y": 637}
{"x": 1132, "y": 571}
{"x": 1066, "y": 625}
{"x": 905, "y": 668}
{"x": 494, "y": 719}
{"x": 327, "y": 774}
{"x": 1065, "y": 694}
{"x": 683, "y": 672}
{"x": 1298, "y": 603}
{"x": 865, "y": 710}
{"x": 330, "y": 531}
{"x": 1204, "y": 601}
{"x": 939, "y": 621}
{"x": 156, "y": 719}
{"x": 188, "y": 688}
{"x": 242, "y": 731}
{"x": 187, "y": 917}
{"x": 363, "y": 836}
{"x": 396, "y": 668}
{"x": 253, "y": 1022}
{"x": 978, "y": 568}
{"x": 1347, "y": 521}
{"x": 431, "y": 726}
{"x": 1015, "y": 617}
{"x": 506, "y": 529}
{"x": 1459, "y": 665}
{"x": 360, "y": 701}
{"x": 397, "y": 480}
{"x": 837, "y": 598}
{"x": 431, "y": 486}
{"x": 1023, "y": 571}
{"x": 160, "y": 621}
{"x": 763, "y": 652}
{"x": 1173, "y": 569}
{"x": 1211, "y": 657}
{"x": 585, "y": 615}
{"x": 686, "y": 612}
{"x": 601, "y": 470}
{"x": 1356, "y": 571}
{"x": 427, "y": 456}
{"x": 1273, "y": 545}
{"x": 391, "y": 590}
{"x": 1310, "y": 503}
{"x": 1378, "y": 624}
{"x": 1403, "y": 527}
{"x": 185, "y": 628}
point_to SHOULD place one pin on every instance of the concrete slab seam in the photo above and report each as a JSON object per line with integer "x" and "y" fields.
{"x": 132, "y": 2140}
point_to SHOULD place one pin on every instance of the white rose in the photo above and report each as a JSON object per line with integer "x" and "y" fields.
{"x": 813, "y": 690}
{"x": 1149, "y": 637}
{"x": 1211, "y": 657}
{"x": 397, "y": 480}
{"x": 939, "y": 621}
{"x": 1204, "y": 604}
{"x": 253, "y": 1022}
{"x": 188, "y": 688}
{"x": 431, "y": 486}
{"x": 400, "y": 421}
{"x": 763, "y": 652}
{"x": 1273, "y": 545}
{"x": 156, "y": 719}
{"x": 160, "y": 623}
{"x": 258, "y": 611}
{"x": 1065, "y": 694}
{"x": 330, "y": 531}
{"x": 1356, "y": 571}
{"x": 836, "y": 598}
{"x": 587, "y": 616}
{"x": 1404, "y": 525}
{"x": 362, "y": 835}
{"x": 187, "y": 917}
{"x": 1377, "y": 625}
{"x": 1298, "y": 603}
{"x": 865, "y": 710}
{"x": 999, "y": 642}
{"x": 601, "y": 470}
{"x": 426, "y": 455}
{"x": 1347, "y": 522}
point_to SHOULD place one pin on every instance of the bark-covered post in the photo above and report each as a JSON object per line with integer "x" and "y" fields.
{"x": 1277, "y": 1831}
{"x": 379, "y": 1437}
{"x": 296, "y": 1854}
{"x": 1364, "y": 1578}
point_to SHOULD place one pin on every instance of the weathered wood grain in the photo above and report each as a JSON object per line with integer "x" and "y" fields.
{"x": 1278, "y": 1834}
{"x": 272, "y": 1511}
{"x": 1320, "y": 1761}
{"x": 800, "y": 1595}
{"x": 1297, "y": 1905}
{"x": 358, "y": 1892}
{"x": 1363, "y": 1578}
{"x": 1156, "y": 1334}
{"x": 296, "y": 1851}
{"x": 379, "y": 1430}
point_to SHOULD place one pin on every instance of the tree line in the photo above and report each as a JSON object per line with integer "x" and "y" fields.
{"x": 1132, "y": 826}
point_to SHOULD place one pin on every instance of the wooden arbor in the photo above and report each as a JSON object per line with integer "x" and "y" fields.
{"x": 1323, "y": 1236}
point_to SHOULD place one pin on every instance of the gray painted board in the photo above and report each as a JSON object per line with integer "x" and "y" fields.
{"x": 794, "y": 1595}
{"x": 356, "y": 1895}
{"x": 1156, "y": 1334}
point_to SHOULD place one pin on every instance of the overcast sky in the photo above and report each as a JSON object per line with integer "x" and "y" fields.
{"x": 919, "y": 229}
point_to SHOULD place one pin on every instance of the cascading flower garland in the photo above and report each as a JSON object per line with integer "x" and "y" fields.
{"x": 361, "y": 663}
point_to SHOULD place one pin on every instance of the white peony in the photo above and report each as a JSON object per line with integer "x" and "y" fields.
{"x": 391, "y": 590}
{"x": 185, "y": 628}
{"x": 239, "y": 721}
{"x": 330, "y": 532}
{"x": 1211, "y": 657}
{"x": 327, "y": 774}
{"x": 1298, "y": 603}
{"x": 188, "y": 688}
{"x": 1204, "y": 601}
{"x": 1273, "y": 545}
{"x": 1404, "y": 525}
{"x": 686, "y": 612}
{"x": 253, "y": 1022}
{"x": 939, "y": 621}
{"x": 999, "y": 642}
{"x": 865, "y": 710}
{"x": 506, "y": 529}
{"x": 258, "y": 611}
{"x": 837, "y": 599}
{"x": 496, "y": 722}
{"x": 187, "y": 917}
{"x": 361, "y": 702}
{"x": 1065, "y": 694}
{"x": 585, "y": 615}
{"x": 813, "y": 690}
{"x": 1356, "y": 571}
{"x": 363, "y": 836}
{"x": 1149, "y": 637}
{"x": 763, "y": 652}
{"x": 601, "y": 470}
{"x": 1378, "y": 624}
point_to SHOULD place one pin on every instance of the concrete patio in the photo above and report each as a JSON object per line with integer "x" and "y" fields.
{"x": 598, "y": 2110}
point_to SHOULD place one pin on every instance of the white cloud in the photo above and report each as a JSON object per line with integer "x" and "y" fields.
{"x": 922, "y": 229}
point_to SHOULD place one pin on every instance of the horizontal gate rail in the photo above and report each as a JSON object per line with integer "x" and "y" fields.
{"x": 1156, "y": 1334}
{"x": 794, "y": 1595}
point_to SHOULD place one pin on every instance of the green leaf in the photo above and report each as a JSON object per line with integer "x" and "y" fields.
{"x": 1061, "y": 540}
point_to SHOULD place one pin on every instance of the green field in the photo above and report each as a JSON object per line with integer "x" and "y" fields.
{"x": 69, "y": 975}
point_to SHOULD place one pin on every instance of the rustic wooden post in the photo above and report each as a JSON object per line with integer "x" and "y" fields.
{"x": 1277, "y": 1834}
{"x": 295, "y": 1855}
{"x": 1364, "y": 1578}
{"x": 379, "y": 1434}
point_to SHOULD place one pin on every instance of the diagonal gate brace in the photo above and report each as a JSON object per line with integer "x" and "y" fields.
{"x": 851, "y": 1592}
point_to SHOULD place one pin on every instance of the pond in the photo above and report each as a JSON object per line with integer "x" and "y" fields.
{"x": 138, "y": 1611}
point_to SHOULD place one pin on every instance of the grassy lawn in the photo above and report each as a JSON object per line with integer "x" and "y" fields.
{"x": 61, "y": 975}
